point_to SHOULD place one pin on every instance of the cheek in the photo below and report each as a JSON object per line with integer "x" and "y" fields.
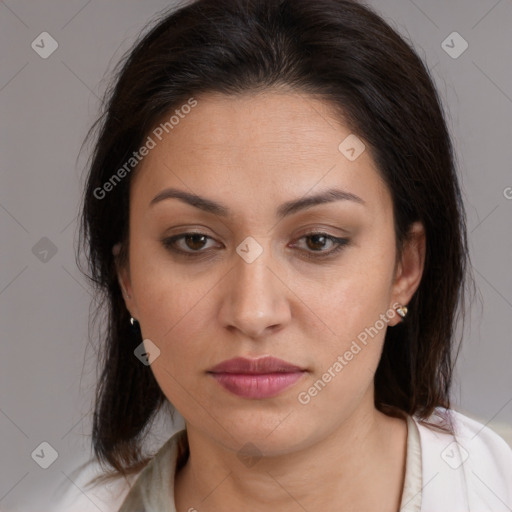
{"x": 169, "y": 295}
{"x": 354, "y": 307}
{"x": 173, "y": 317}
{"x": 175, "y": 308}
{"x": 358, "y": 291}
{"x": 347, "y": 354}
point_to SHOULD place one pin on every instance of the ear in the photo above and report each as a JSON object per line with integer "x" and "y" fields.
{"x": 409, "y": 269}
{"x": 123, "y": 277}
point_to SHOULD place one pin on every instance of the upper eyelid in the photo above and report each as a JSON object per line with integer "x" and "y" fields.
{"x": 336, "y": 240}
{"x": 298, "y": 237}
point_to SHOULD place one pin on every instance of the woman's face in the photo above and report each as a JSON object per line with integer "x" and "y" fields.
{"x": 257, "y": 281}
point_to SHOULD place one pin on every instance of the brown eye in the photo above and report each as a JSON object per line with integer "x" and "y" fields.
{"x": 195, "y": 244}
{"x": 195, "y": 241}
{"x": 191, "y": 243}
{"x": 318, "y": 241}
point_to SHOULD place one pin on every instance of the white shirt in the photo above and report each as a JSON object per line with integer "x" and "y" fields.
{"x": 468, "y": 472}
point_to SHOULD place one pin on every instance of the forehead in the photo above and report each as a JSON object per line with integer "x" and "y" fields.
{"x": 274, "y": 145}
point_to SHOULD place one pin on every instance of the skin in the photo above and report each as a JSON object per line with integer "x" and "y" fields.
{"x": 252, "y": 153}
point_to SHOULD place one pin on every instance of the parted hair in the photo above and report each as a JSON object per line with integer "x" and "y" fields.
{"x": 343, "y": 52}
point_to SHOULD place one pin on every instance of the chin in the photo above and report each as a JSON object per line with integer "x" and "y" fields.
{"x": 275, "y": 432}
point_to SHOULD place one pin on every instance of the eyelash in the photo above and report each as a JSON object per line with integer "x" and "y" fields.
{"x": 340, "y": 243}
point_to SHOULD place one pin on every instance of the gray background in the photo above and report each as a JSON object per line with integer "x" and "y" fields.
{"x": 46, "y": 106}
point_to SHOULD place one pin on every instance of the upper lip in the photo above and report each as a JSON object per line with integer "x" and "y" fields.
{"x": 261, "y": 365}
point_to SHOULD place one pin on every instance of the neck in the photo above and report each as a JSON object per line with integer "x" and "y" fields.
{"x": 360, "y": 465}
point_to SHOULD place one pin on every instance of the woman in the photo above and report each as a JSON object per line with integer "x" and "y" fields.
{"x": 274, "y": 217}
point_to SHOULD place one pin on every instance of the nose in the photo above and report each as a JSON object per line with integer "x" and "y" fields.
{"x": 255, "y": 301}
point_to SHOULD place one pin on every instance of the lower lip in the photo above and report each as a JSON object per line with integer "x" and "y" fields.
{"x": 257, "y": 386}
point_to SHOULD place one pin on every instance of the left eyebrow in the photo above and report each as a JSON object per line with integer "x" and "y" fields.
{"x": 286, "y": 209}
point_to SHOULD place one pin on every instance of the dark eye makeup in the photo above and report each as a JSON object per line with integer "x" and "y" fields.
{"x": 316, "y": 238}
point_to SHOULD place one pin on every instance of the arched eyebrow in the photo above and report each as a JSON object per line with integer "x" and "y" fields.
{"x": 284, "y": 210}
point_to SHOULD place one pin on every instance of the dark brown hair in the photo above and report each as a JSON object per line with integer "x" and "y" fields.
{"x": 337, "y": 50}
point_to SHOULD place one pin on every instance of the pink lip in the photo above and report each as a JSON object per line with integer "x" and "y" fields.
{"x": 256, "y": 378}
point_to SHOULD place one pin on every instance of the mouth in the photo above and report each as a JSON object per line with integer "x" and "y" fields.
{"x": 261, "y": 378}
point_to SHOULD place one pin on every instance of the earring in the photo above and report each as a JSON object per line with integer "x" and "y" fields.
{"x": 402, "y": 311}
{"x": 133, "y": 320}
